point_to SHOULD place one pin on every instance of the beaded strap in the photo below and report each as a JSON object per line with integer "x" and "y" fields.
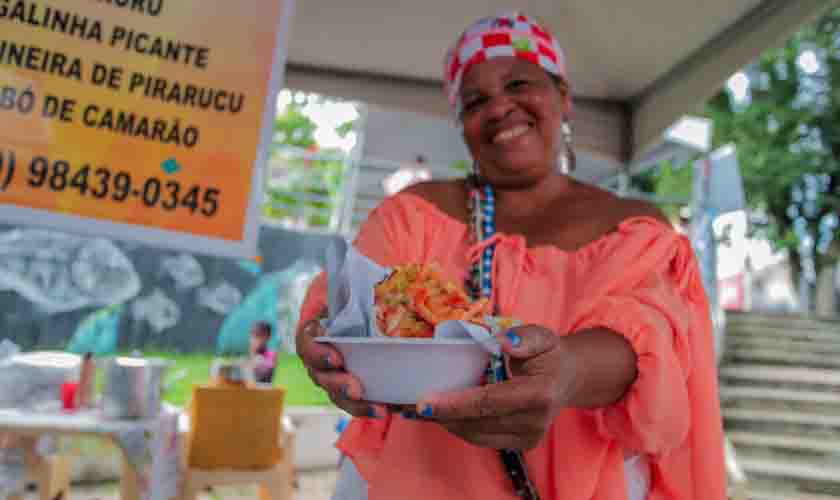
{"x": 480, "y": 284}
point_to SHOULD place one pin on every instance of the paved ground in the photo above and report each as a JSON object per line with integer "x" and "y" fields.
{"x": 314, "y": 485}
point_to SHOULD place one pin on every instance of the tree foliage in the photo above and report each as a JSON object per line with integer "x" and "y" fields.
{"x": 785, "y": 123}
{"x": 305, "y": 180}
{"x": 787, "y": 131}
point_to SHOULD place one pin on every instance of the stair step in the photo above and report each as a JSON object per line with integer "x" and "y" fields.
{"x": 785, "y": 321}
{"x": 776, "y": 495}
{"x": 782, "y": 417}
{"x": 728, "y": 393}
{"x": 767, "y": 331}
{"x": 788, "y": 442}
{"x": 786, "y": 467}
{"x": 781, "y": 374}
{"x": 783, "y": 356}
{"x": 787, "y": 344}
{"x": 819, "y": 326}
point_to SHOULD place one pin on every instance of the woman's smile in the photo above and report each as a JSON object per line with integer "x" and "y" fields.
{"x": 508, "y": 135}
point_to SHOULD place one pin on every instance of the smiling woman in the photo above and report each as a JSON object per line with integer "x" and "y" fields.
{"x": 609, "y": 391}
{"x": 511, "y": 112}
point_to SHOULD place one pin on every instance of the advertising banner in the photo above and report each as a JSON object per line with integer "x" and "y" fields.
{"x": 146, "y": 120}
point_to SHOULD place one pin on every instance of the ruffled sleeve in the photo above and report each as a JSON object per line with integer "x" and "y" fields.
{"x": 391, "y": 235}
{"x": 394, "y": 233}
{"x": 645, "y": 287}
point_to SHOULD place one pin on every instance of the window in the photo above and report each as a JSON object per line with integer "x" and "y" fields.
{"x": 316, "y": 142}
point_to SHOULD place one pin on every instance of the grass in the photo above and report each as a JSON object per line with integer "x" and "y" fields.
{"x": 289, "y": 374}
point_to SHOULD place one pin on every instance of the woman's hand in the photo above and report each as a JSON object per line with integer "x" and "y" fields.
{"x": 326, "y": 368}
{"x": 588, "y": 369}
{"x": 517, "y": 413}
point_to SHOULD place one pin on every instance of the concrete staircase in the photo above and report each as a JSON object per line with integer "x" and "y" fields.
{"x": 780, "y": 393}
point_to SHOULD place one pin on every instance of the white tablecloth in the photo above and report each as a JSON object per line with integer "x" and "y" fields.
{"x": 151, "y": 447}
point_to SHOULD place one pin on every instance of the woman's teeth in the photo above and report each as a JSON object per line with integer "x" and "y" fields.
{"x": 511, "y": 133}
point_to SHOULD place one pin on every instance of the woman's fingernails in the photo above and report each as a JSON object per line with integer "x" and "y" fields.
{"x": 514, "y": 339}
{"x": 427, "y": 412}
{"x": 345, "y": 392}
{"x": 372, "y": 413}
{"x": 328, "y": 362}
{"x": 409, "y": 414}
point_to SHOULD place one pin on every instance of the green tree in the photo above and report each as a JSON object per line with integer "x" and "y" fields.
{"x": 788, "y": 133}
{"x": 786, "y": 126}
{"x": 669, "y": 181}
{"x": 788, "y": 137}
{"x": 293, "y": 128}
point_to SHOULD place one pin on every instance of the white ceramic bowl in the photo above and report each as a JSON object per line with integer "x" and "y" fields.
{"x": 402, "y": 371}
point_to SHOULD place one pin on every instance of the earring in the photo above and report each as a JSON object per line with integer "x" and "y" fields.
{"x": 475, "y": 175}
{"x": 568, "y": 160}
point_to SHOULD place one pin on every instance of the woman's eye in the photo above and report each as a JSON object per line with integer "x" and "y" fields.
{"x": 517, "y": 84}
{"x": 474, "y": 104}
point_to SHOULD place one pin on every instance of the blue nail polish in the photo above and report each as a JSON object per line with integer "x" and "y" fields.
{"x": 515, "y": 339}
{"x": 328, "y": 362}
{"x": 427, "y": 412}
{"x": 409, "y": 415}
{"x": 345, "y": 392}
{"x": 372, "y": 413}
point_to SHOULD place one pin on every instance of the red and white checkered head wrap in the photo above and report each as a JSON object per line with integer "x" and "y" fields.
{"x": 506, "y": 34}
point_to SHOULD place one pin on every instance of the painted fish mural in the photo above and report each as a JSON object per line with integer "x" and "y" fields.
{"x": 60, "y": 272}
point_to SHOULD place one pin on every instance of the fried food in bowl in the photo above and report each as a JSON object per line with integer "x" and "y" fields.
{"x": 414, "y": 299}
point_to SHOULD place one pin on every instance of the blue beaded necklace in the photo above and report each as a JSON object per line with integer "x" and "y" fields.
{"x": 480, "y": 284}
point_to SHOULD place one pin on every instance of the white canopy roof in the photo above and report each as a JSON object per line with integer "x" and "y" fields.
{"x": 636, "y": 66}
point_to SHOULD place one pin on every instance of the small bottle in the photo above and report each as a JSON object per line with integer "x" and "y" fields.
{"x": 70, "y": 392}
{"x": 87, "y": 378}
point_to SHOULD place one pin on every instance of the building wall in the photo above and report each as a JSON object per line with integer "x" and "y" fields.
{"x": 402, "y": 136}
{"x": 54, "y": 286}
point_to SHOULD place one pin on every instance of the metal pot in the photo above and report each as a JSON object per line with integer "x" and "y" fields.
{"x": 133, "y": 387}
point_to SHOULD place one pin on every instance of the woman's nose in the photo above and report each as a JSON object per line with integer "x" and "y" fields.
{"x": 499, "y": 106}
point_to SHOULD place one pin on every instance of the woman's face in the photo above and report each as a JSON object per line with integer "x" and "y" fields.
{"x": 511, "y": 115}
